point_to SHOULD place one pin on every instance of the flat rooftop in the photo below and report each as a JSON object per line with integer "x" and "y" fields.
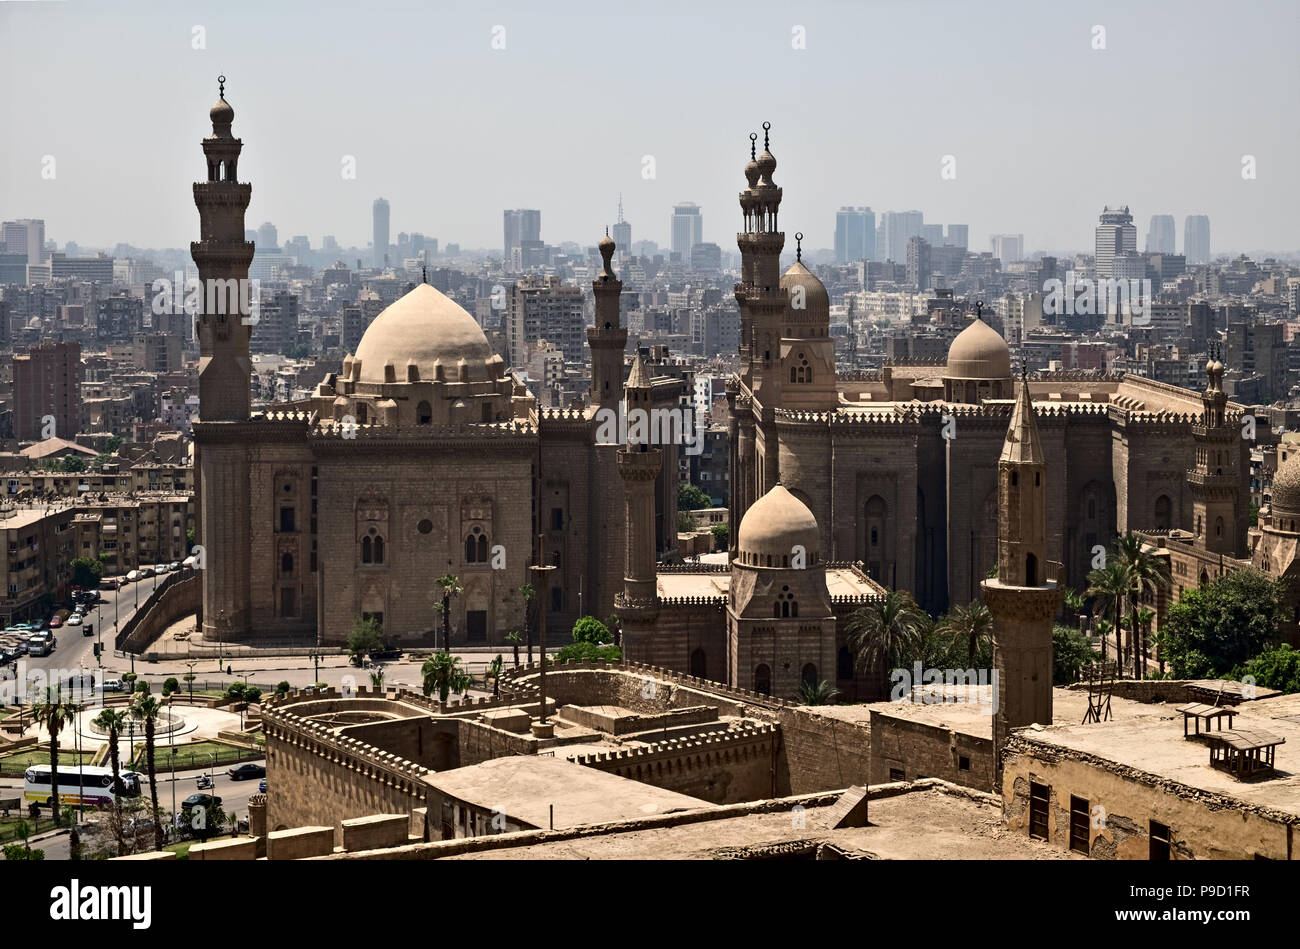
{"x": 927, "y": 824}
{"x": 526, "y": 786}
{"x": 840, "y": 581}
{"x": 1154, "y": 744}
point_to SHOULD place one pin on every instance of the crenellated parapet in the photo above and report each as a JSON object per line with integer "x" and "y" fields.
{"x": 707, "y": 746}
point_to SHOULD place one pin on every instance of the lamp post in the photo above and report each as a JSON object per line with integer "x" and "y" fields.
{"x": 81, "y": 776}
{"x": 315, "y": 665}
{"x": 543, "y": 571}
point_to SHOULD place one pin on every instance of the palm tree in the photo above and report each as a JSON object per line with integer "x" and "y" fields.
{"x": 450, "y": 584}
{"x": 527, "y": 592}
{"x": 377, "y": 679}
{"x": 1111, "y": 583}
{"x": 147, "y": 709}
{"x": 112, "y": 721}
{"x": 442, "y": 672}
{"x": 821, "y": 693}
{"x": 513, "y": 638}
{"x": 973, "y": 623}
{"x": 53, "y": 714}
{"x": 1145, "y": 573}
{"x": 494, "y": 673}
{"x": 1145, "y": 617}
{"x": 1074, "y": 603}
{"x": 884, "y": 632}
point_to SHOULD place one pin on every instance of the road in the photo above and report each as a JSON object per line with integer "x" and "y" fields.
{"x": 75, "y": 651}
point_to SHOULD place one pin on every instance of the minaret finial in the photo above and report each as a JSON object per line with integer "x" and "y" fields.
{"x": 221, "y": 86}
{"x": 753, "y": 146}
{"x": 979, "y": 309}
{"x": 766, "y": 127}
{"x": 607, "y": 230}
{"x": 798, "y": 247}
{"x": 424, "y": 274}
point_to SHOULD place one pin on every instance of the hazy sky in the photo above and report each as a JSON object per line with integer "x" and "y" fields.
{"x": 1044, "y": 129}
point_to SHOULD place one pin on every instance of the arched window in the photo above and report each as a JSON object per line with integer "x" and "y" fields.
{"x": 1031, "y": 570}
{"x": 776, "y": 609}
{"x": 809, "y": 675}
{"x": 785, "y": 608}
{"x": 423, "y": 413}
{"x": 482, "y": 548}
{"x": 1164, "y": 512}
{"x": 699, "y": 664}
{"x": 471, "y": 549}
{"x": 793, "y": 373}
{"x": 286, "y": 563}
{"x": 367, "y": 555}
{"x": 763, "y": 680}
{"x": 1218, "y": 527}
{"x": 379, "y": 550}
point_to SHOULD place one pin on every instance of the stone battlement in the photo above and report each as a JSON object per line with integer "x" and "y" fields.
{"x": 698, "y": 744}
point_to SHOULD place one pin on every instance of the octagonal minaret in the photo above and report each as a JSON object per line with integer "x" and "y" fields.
{"x": 607, "y": 338}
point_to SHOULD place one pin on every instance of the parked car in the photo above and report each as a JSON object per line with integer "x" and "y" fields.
{"x": 261, "y": 785}
{"x": 114, "y": 685}
{"x": 133, "y": 576}
{"x": 39, "y": 647}
{"x": 55, "y": 622}
{"x": 246, "y": 771}
{"x": 175, "y": 565}
{"x": 74, "y": 619}
{"x": 199, "y": 800}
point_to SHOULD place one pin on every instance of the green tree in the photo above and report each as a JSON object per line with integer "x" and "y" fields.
{"x": 113, "y": 443}
{"x": 252, "y": 694}
{"x": 52, "y": 713}
{"x": 820, "y": 693}
{"x": 1145, "y": 573}
{"x": 377, "y": 680}
{"x": 721, "y": 536}
{"x": 442, "y": 673}
{"x": 172, "y": 684}
{"x": 887, "y": 631}
{"x": 147, "y": 709}
{"x": 87, "y": 573}
{"x": 1074, "y": 603}
{"x": 73, "y": 464}
{"x": 1274, "y": 669}
{"x": 588, "y": 629}
{"x": 494, "y": 673}
{"x": 578, "y": 652}
{"x": 22, "y": 852}
{"x": 691, "y": 498}
{"x": 235, "y": 690}
{"x": 528, "y": 592}
{"x": 1254, "y": 514}
{"x": 1224, "y": 623}
{"x": 366, "y": 637}
{"x": 450, "y": 584}
{"x": 1110, "y": 583}
{"x": 112, "y": 721}
{"x": 513, "y": 638}
{"x": 283, "y": 687}
{"x": 1070, "y": 651}
{"x": 971, "y": 625}
{"x": 686, "y": 523}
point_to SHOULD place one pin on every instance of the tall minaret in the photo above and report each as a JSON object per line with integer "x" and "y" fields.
{"x": 1215, "y": 481}
{"x": 638, "y": 465}
{"x": 1025, "y": 597}
{"x": 762, "y": 303}
{"x": 607, "y": 338}
{"x": 221, "y": 436}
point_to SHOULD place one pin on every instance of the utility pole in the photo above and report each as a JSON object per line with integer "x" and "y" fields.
{"x": 541, "y": 728}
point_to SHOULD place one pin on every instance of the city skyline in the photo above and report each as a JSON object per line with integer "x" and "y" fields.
{"x": 403, "y": 154}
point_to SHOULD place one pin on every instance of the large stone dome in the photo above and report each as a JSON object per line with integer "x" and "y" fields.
{"x": 1285, "y": 499}
{"x": 423, "y": 327}
{"x": 773, "y": 526}
{"x": 978, "y": 352}
{"x": 816, "y": 301}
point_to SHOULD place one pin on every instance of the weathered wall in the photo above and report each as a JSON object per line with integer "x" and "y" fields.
{"x": 921, "y": 750}
{"x": 180, "y": 598}
{"x": 1203, "y": 825}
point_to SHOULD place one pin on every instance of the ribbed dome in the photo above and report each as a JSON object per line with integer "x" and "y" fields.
{"x": 816, "y": 301}
{"x": 221, "y": 112}
{"x": 978, "y": 352}
{"x": 773, "y": 526}
{"x": 423, "y": 327}
{"x": 1286, "y": 488}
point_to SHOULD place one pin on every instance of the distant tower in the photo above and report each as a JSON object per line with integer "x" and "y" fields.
{"x": 1024, "y": 598}
{"x": 607, "y": 338}
{"x": 1196, "y": 239}
{"x": 622, "y": 234}
{"x": 221, "y": 439}
{"x": 762, "y": 303}
{"x": 380, "y": 211}
{"x": 1215, "y": 480}
{"x": 638, "y": 466}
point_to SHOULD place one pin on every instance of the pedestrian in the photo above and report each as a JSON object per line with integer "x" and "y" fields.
{"x": 228, "y": 670}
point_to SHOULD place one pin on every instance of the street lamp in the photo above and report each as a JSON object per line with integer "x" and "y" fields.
{"x": 543, "y": 571}
{"x": 171, "y": 738}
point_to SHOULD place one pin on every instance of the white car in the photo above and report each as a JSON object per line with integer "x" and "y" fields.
{"x": 74, "y": 620}
{"x": 133, "y": 576}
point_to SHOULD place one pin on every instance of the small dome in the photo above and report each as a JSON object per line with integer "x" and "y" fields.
{"x": 1285, "y": 498}
{"x": 978, "y": 352}
{"x": 766, "y": 165}
{"x": 752, "y": 172}
{"x": 423, "y": 327}
{"x": 775, "y": 524}
{"x": 816, "y": 301}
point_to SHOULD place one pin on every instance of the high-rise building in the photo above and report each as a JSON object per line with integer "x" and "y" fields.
{"x": 1007, "y": 248}
{"x": 545, "y": 308}
{"x": 1116, "y": 236}
{"x": 522, "y": 226}
{"x": 899, "y": 228}
{"x": 687, "y": 229}
{"x": 622, "y": 234}
{"x": 1196, "y": 239}
{"x": 380, "y": 237}
{"x": 932, "y": 234}
{"x": 25, "y": 236}
{"x": 47, "y": 392}
{"x": 958, "y": 236}
{"x": 276, "y": 330}
{"x": 1160, "y": 234}
{"x": 268, "y": 239}
{"x": 855, "y": 235}
{"x": 918, "y": 263}
{"x": 706, "y": 256}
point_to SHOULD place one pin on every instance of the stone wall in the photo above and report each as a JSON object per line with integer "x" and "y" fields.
{"x": 180, "y": 597}
{"x": 922, "y": 750}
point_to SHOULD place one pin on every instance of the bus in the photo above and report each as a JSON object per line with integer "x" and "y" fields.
{"x": 89, "y": 785}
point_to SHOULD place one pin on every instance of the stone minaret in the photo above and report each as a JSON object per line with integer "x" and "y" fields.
{"x": 221, "y": 436}
{"x": 1215, "y": 481}
{"x": 1025, "y": 596}
{"x": 607, "y": 338}
{"x": 762, "y": 304}
{"x": 638, "y": 465}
